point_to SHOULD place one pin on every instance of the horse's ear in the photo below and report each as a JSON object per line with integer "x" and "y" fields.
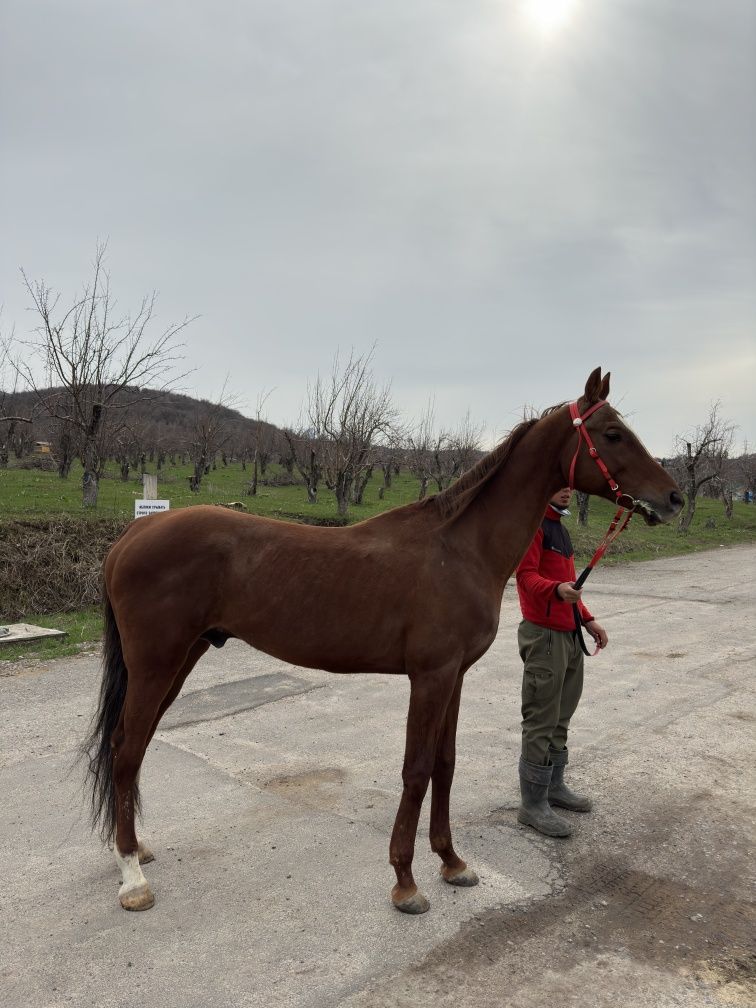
{"x": 604, "y": 390}
{"x": 593, "y": 387}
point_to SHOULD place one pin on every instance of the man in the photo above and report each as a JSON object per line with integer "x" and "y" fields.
{"x": 553, "y": 670}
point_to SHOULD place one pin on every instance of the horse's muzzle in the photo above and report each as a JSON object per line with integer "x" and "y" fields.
{"x": 660, "y": 514}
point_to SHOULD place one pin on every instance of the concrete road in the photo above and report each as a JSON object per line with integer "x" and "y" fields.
{"x": 270, "y": 793}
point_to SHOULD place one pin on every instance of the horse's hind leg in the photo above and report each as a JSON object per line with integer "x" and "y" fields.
{"x": 150, "y": 679}
{"x": 453, "y": 869}
{"x": 195, "y": 653}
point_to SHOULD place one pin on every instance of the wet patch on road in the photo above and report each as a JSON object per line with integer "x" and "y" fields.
{"x": 318, "y": 788}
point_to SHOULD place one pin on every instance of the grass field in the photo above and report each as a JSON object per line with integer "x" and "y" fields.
{"x": 26, "y": 494}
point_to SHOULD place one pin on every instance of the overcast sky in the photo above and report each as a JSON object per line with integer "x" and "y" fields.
{"x": 502, "y": 194}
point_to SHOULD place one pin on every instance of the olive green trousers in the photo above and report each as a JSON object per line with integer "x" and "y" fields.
{"x": 552, "y": 684}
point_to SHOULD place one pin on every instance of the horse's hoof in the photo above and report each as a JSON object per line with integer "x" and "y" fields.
{"x": 145, "y": 854}
{"x": 140, "y": 898}
{"x": 414, "y": 903}
{"x": 460, "y": 876}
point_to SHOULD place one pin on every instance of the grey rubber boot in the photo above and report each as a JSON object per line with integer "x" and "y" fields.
{"x": 559, "y": 793}
{"x": 535, "y": 810}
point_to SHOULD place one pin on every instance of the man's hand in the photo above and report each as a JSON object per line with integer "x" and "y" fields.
{"x": 598, "y": 633}
{"x": 567, "y": 593}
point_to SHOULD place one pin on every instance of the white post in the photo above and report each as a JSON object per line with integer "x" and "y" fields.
{"x": 149, "y": 486}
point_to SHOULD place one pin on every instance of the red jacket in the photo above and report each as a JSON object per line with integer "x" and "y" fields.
{"x": 548, "y": 562}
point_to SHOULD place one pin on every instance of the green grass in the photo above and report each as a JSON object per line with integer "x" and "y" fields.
{"x": 26, "y": 493}
{"x": 83, "y": 629}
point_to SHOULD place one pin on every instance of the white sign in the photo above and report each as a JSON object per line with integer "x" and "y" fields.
{"x": 148, "y": 507}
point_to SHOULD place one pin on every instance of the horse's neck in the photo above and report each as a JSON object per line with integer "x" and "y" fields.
{"x": 500, "y": 523}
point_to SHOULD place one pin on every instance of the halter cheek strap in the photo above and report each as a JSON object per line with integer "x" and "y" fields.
{"x": 617, "y": 525}
{"x": 578, "y": 422}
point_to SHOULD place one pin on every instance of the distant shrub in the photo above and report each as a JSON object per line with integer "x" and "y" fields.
{"x": 46, "y": 463}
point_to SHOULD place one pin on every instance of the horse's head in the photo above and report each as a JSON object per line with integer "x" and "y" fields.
{"x": 637, "y": 475}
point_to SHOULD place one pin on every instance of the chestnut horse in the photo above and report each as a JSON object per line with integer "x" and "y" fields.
{"x": 414, "y": 591}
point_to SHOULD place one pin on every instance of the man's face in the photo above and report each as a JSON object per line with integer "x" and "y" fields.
{"x": 561, "y": 498}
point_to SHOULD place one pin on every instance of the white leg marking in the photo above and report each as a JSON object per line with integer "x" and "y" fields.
{"x": 131, "y": 872}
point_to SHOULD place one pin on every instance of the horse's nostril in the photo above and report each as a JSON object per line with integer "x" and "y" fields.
{"x": 676, "y": 499}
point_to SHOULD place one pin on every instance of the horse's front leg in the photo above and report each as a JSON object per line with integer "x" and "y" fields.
{"x": 429, "y": 697}
{"x": 453, "y": 869}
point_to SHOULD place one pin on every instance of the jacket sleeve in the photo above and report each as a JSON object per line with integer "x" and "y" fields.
{"x": 529, "y": 580}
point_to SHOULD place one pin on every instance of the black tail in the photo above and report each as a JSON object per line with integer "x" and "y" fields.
{"x": 96, "y": 749}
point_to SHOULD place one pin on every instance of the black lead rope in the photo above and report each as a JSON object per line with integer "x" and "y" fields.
{"x": 578, "y": 618}
{"x": 619, "y": 524}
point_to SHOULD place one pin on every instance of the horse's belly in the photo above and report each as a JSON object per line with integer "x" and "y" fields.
{"x": 335, "y": 658}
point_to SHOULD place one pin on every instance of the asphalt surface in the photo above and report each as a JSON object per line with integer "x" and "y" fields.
{"x": 270, "y": 793}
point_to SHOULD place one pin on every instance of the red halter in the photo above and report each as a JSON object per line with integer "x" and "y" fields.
{"x": 583, "y": 435}
{"x": 617, "y": 525}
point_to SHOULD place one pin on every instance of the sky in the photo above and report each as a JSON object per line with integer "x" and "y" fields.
{"x": 500, "y": 195}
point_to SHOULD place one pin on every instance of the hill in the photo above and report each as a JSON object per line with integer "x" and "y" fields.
{"x": 164, "y": 422}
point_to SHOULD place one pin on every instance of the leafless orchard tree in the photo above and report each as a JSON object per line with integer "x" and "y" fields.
{"x": 9, "y": 380}
{"x": 746, "y": 470}
{"x": 702, "y": 454}
{"x": 583, "y": 504}
{"x": 421, "y": 447}
{"x": 212, "y": 429}
{"x": 305, "y": 452}
{"x": 439, "y": 456}
{"x": 129, "y": 446}
{"x": 466, "y": 443}
{"x": 94, "y": 355}
{"x": 262, "y": 442}
{"x": 349, "y": 413}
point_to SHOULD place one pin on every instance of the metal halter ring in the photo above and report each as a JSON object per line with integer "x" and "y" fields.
{"x": 628, "y": 507}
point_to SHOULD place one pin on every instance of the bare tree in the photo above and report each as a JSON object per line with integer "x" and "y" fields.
{"x": 441, "y": 456}
{"x": 305, "y": 453}
{"x": 211, "y": 430}
{"x": 420, "y": 448}
{"x": 9, "y": 378}
{"x": 746, "y": 471}
{"x": 583, "y": 503}
{"x": 95, "y": 355}
{"x": 262, "y": 442}
{"x": 129, "y": 447}
{"x": 466, "y": 443}
{"x": 360, "y": 484}
{"x": 350, "y": 413}
{"x": 701, "y": 458}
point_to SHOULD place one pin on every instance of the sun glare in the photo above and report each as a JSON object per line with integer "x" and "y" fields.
{"x": 548, "y": 16}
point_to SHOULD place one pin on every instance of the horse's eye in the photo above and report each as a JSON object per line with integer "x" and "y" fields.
{"x": 613, "y": 435}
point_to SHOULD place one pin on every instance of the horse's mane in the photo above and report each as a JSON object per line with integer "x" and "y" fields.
{"x": 456, "y": 498}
